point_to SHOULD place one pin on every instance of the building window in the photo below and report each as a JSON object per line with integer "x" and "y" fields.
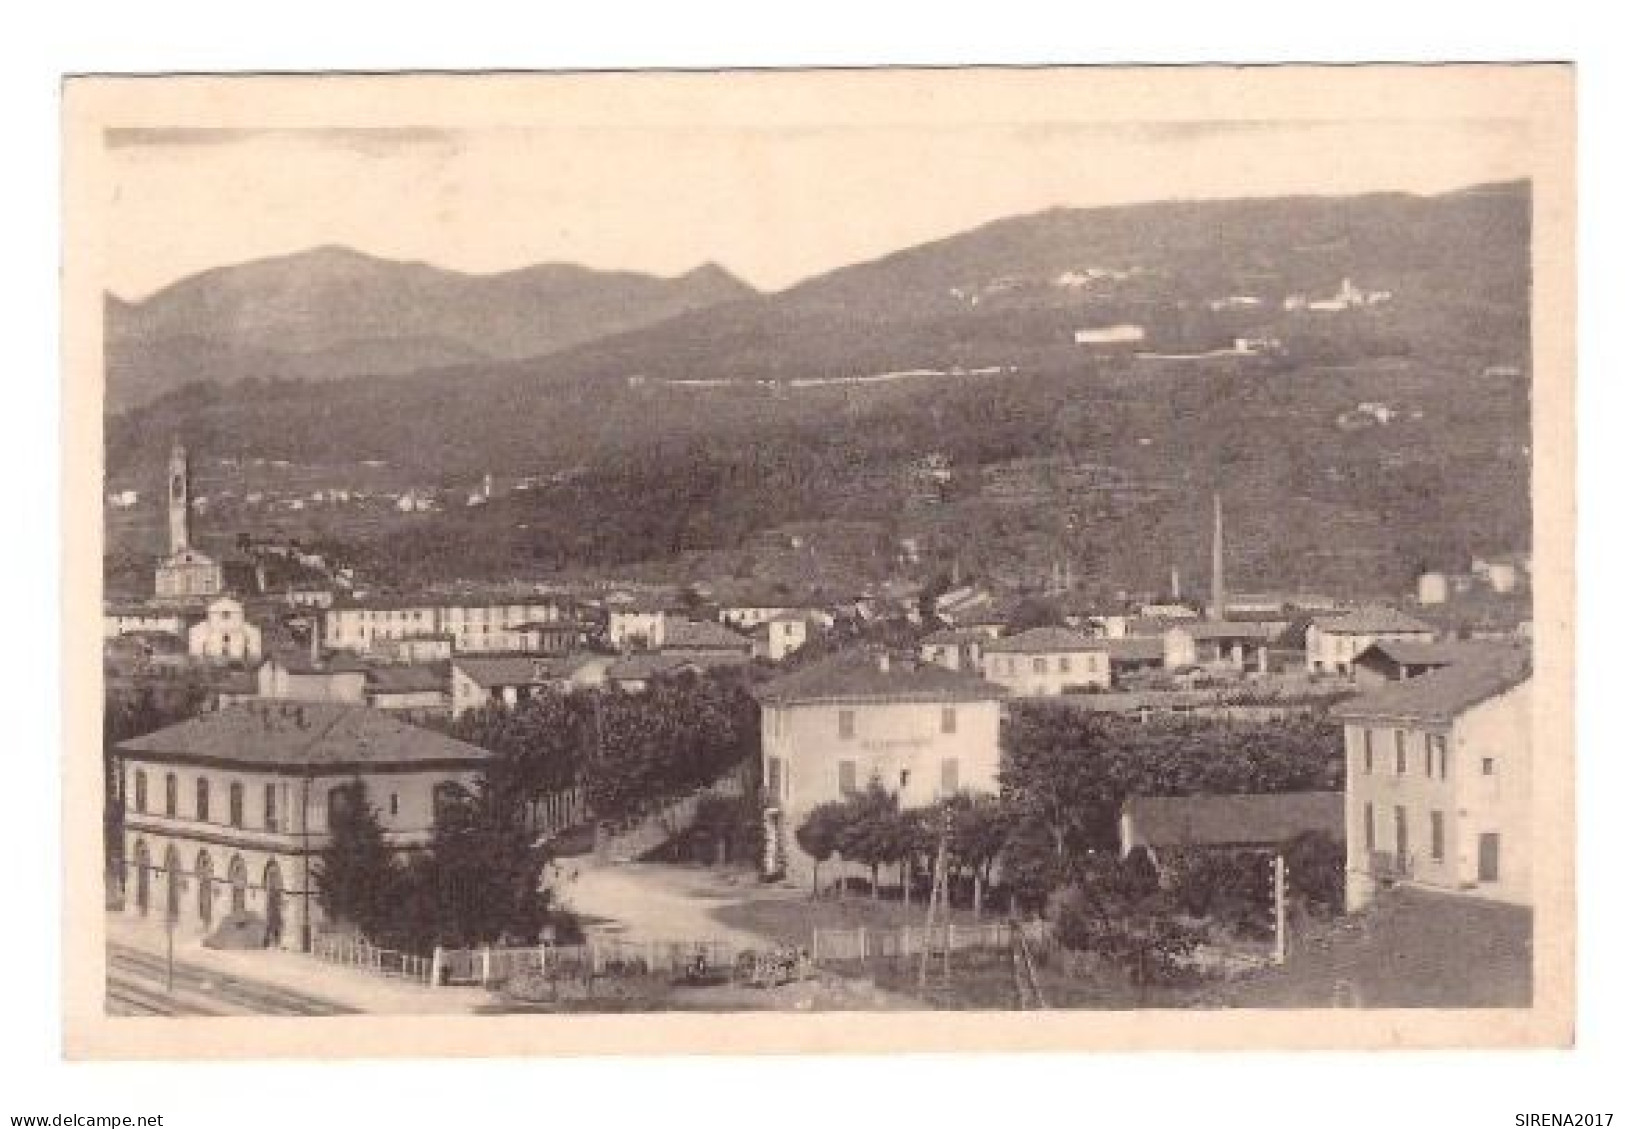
{"x": 1064, "y": 665}
{"x": 271, "y": 823}
{"x": 236, "y": 805}
{"x": 394, "y": 803}
{"x": 1402, "y": 837}
{"x": 847, "y": 778}
{"x": 1040, "y": 666}
{"x": 1488, "y": 766}
{"x": 448, "y": 797}
{"x": 775, "y": 779}
{"x": 1436, "y": 836}
{"x": 1365, "y": 734}
{"x": 1489, "y": 857}
{"x": 1399, "y": 752}
{"x": 171, "y": 794}
{"x": 950, "y": 776}
{"x": 140, "y": 790}
{"x": 1370, "y": 827}
{"x": 950, "y": 720}
{"x": 848, "y": 724}
{"x": 203, "y": 799}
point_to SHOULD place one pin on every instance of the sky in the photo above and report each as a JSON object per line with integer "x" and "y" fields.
{"x": 773, "y": 204}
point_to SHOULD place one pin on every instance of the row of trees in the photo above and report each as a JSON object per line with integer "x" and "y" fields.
{"x": 871, "y": 829}
{"x": 631, "y": 752}
{"x": 480, "y": 879}
{"x": 1050, "y": 837}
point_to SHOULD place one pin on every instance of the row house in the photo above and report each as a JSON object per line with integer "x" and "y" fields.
{"x": 1439, "y": 776}
{"x": 228, "y": 813}
{"x": 859, "y": 719}
{"x": 472, "y": 625}
{"x": 1047, "y": 661}
{"x": 1332, "y": 642}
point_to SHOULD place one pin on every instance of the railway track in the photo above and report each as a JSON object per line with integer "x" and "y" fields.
{"x": 138, "y": 981}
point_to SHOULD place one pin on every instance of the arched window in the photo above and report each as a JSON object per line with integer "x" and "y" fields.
{"x": 143, "y": 876}
{"x": 448, "y": 796}
{"x": 140, "y": 790}
{"x": 341, "y": 802}
{"x": 205, "y": 888}
{"x": 237, "y": 875}
{"x": 203, "y": 799}
{"x": 236, "y": 805}
{"x": 172, "y": 883}
{"x": 273, "y": 903}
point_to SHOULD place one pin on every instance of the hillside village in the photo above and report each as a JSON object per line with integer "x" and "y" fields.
{"x": 956, "y": 747}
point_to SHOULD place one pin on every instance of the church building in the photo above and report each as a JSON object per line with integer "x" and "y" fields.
{"x": 187, "y": 573}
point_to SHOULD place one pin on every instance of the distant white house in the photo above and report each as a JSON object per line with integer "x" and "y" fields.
{"x": 1122, "y": 334}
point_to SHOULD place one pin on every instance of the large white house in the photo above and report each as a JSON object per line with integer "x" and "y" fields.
{"x": 229, "y": 812}
{"x": 861, "y": 718}
{"x": 1332, "y": 642}
{"x": 225, "y": 633}
{"x": 1046, "y": 661}
{"x": 1439, "y": 773}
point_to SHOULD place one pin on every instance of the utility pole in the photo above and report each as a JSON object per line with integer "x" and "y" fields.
{"x": 939, "y": 902}
{"x": 1279, "y": 868}
{"x": 169, "y": 950}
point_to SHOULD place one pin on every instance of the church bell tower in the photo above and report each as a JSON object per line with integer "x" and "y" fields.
{"x": 180, "y": 501}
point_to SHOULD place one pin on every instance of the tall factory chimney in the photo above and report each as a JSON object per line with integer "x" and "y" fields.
{"x": 1215, "y": 606}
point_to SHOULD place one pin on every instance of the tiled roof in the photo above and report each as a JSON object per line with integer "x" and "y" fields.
{"x": 1414, "y": 652}
{"x": 1225, "y": 629}
{"x": 995, "y": 614}
{"x": 514, "y": 670}
{"x": 640, "y": 667}
{"x": 1444, "y": 694}
{"x": 856, "y": 675}
{"x": 953, "y": 637}
{"x": 1133, "y": 650}
{"x": 702, "y": 635}
{"x": 322, "y": 736}
{"x": 1172, "y": 821}
{"x": 1373, "y": 620}
{"x": 1045, "y": 641}
{"x": 408, "y": 679}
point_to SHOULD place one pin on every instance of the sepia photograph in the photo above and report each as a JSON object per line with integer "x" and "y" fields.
{"x": 819, "y": 560}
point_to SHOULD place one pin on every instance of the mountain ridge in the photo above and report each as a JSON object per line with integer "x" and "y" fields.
{"x": 332, "y": 311}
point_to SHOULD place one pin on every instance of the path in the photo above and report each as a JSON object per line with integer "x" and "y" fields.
{"x": 655, "y": 901}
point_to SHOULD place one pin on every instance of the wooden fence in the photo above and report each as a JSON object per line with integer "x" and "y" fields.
{"x": 603, "y": 956}
{"x": 338, "y": 948}
{"x": 911, "y": 940}
{"x": 559, "y": 811}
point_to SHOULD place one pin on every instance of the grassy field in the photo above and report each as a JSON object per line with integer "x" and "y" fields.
{"x": 1414, "y": 949}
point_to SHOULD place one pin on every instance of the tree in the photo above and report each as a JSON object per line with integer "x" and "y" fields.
{"x": 870, "y": 834}
{"x": 1060, "y": 769}
{"x": 1314, "y": 865}
{"x": 480, "y": 882}
{"x": 820, "y": 835}
{"x": 981, "y": 825}
{"x": 1233, "y": 887}
{"x": 1117, "y": 910}
{"x": 357, "y": 875}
